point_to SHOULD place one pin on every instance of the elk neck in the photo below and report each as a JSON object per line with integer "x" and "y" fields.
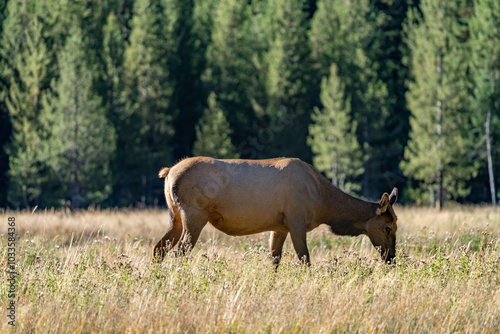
{"x": 346, "y": 215}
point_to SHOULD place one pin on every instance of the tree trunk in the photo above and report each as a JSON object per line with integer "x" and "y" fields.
{"x": 76, "y": 198}
{"x": 439, "y": 195}
{"x": 366, "y": 164}
{"x": 439, "y": 176}
{"x": 335, "y": 177}
{"x": 490, "y": 159}
{"x": 439, "y": 131}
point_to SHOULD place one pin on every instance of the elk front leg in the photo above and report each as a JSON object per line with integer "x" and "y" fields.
{"x": 298, "y": 233}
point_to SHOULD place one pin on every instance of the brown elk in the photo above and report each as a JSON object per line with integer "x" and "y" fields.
{"x": 282, "y": 195}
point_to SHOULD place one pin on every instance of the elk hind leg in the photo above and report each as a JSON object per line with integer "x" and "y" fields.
{"x": 193, "y": 223}
{"x": 276, "y": 243}
{"x": 170, "y": 239}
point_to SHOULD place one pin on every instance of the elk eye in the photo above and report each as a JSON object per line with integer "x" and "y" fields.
{"x": 388, "y": 230}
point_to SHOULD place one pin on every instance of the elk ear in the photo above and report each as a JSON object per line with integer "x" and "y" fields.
{"x": 383, "y": 204}
{"x": 393, "y": 197}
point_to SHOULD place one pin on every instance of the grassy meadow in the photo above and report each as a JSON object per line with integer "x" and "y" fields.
{"x": 91, "y": 271}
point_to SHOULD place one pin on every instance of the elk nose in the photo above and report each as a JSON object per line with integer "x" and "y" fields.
{"x": 390, "y": 259}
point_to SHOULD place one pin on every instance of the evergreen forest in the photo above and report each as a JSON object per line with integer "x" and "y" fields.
{"x": 96, "y": 96}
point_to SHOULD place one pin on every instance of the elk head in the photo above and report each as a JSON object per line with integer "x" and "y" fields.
{"x": 381, "y": 229}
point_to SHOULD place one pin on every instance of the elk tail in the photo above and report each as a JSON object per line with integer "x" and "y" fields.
{"x": 163, "y": 172}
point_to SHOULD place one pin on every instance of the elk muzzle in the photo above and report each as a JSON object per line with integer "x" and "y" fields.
{"x": 388, "y": 252}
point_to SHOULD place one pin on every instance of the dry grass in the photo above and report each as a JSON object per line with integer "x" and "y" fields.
{"x": 91, "y": 272}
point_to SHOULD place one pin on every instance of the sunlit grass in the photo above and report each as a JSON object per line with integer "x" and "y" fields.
{"x": 92, "y": 272}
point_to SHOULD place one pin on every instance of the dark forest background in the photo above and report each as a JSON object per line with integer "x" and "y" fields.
{"x": 97, "y": 96}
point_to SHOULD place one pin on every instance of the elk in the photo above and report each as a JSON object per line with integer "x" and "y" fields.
{"x": 281, "y": 195}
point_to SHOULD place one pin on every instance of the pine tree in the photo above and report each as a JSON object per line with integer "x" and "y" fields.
{"x": 192, "y": 29}
{"x": 5, "y": 133}
{"x": 148, "y": 87}
{"x": 60, "y": 16}
{"x": 113, "y": 54}
{"x": 235, "y": 64}
{"x": 338, "y": 31}
{"x": 202, "y": 27}
{"x": 113, "y": 57}
{"x": 332, "y": 137}
{"x": 82, "y": 141}
{"x": 485, "y": 44}
{"x": 213, "y": 134}
{"x": 341, "y": 33}
{"x": 3, "y": 12}
{"x": 387, "y": 49}
{"x": 105, "y": 27}
{"x": 5, "y": 126}
{"x": 289, "y": 67}
{"x": 26, "y": 62}
{"x": 437, "y": 98}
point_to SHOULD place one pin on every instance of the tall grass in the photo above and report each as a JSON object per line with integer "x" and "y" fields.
{"x": 91, "y": 271}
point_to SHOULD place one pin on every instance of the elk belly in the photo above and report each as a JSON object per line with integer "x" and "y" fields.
{"x": 244, "y": 223}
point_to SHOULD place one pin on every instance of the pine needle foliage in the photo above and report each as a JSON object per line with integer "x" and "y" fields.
{"x": 213, "y": 134}
{"x": 332, "y": 136}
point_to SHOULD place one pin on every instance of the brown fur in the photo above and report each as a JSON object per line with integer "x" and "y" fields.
{"x": 282, "y": 195}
